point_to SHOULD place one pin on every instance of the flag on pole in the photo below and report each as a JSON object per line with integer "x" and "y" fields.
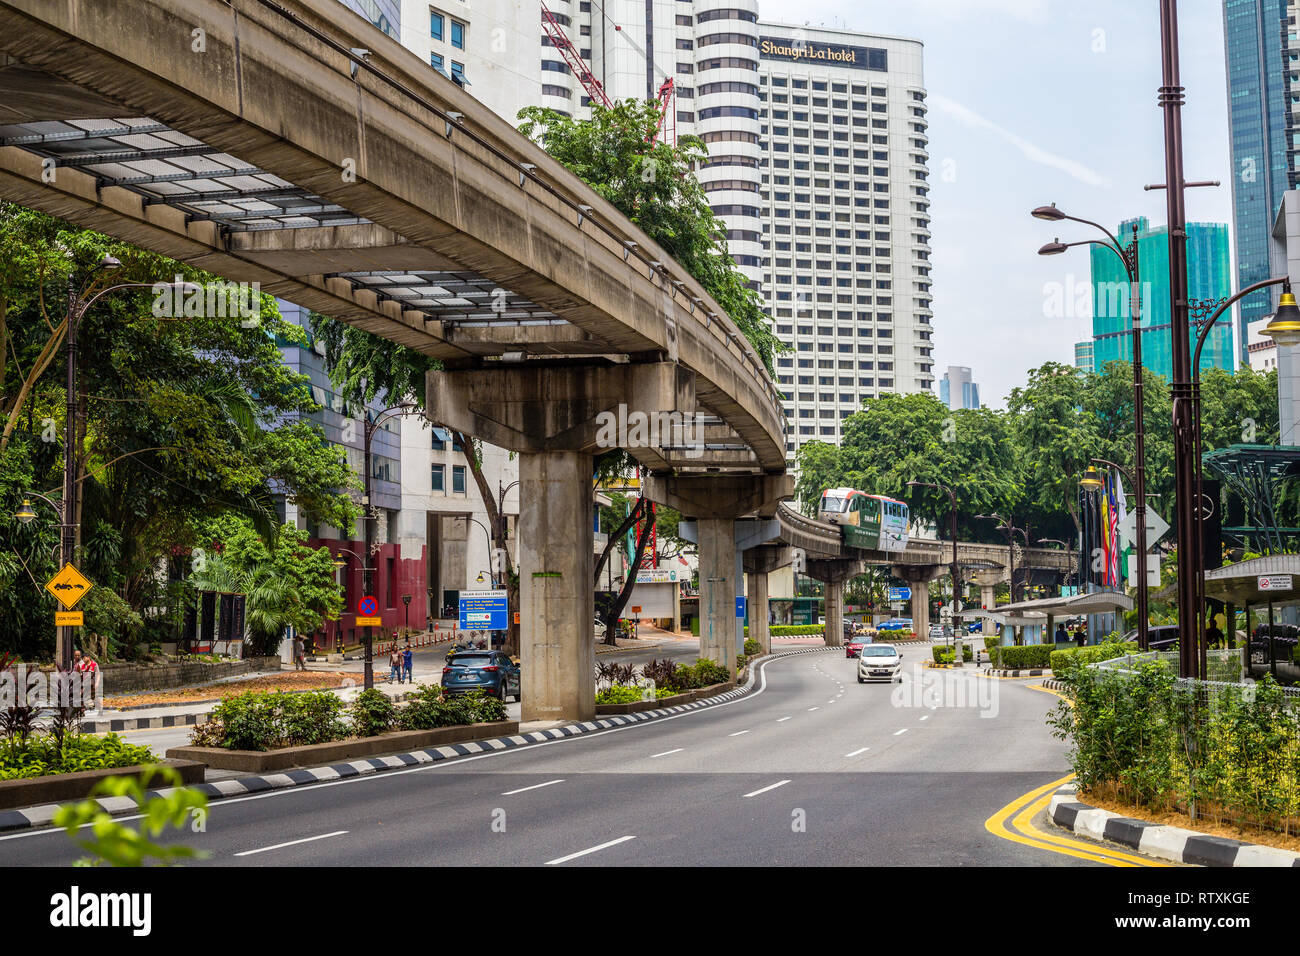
{"x": 1121, "y": 509}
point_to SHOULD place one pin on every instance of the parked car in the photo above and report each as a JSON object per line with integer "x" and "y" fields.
{"x": 491, "y": 672}
{"x": 896, "y": 624}
{"x": 600, "y": 629}
{"x": 880, "y": 662}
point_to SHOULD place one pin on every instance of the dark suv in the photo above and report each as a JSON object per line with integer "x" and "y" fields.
{"x": 1162, "y": 637}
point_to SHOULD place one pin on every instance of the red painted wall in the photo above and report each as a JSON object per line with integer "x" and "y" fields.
{"x": 409, "y": 577}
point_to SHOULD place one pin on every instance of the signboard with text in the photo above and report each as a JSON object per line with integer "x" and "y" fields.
{"x": 1274, "y": 582}
{"x": 484, "y": 610}
{"x": 656, "y": 576}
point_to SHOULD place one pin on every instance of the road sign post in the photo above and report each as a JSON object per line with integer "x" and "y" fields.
{"x": 368, "y": 617}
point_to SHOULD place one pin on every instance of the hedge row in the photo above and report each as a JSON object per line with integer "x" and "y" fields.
{"x": 943, "y": 654}
{"x": 1030, "y": 655}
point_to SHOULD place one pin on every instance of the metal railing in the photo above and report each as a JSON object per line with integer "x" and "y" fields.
{"x": 1227, "y": 669}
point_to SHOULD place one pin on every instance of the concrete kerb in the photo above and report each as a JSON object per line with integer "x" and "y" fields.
{"x": 1175, "y": 844}
{"x": 30, "y": 817}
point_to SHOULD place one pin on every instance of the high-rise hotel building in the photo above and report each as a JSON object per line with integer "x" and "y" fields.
{"x": 845, "y": 220}
{"x": 817, "y": 165}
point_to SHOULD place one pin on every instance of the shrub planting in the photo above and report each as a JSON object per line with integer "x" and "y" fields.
{"x": 372, "y": 713}
{"x": 39, "y": 755}
{"x": 255, "y": 721}
{"x": 1229, "y": 754}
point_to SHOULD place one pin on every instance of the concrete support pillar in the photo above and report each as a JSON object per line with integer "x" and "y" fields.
{"x": 835, "y": 613}
{"x": 557, "y": 640}
{"x": 989, "y": 600}
{"x": 720, "y": 585}
{"x": 920, "y": 610}
{"x": 918, "y": 578}
{"x": 757, "y": 604}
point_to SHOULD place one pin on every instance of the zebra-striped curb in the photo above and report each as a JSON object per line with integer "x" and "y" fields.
{"x": 237, "y": 787}
{"x": 1159, "y": 840}
{"x": 117, "y": 724}
{"x": 1052, "y": 684}
{"x": 1023, "y": 672}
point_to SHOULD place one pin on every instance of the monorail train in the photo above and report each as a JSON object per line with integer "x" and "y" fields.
{"x": 866, "y": 521}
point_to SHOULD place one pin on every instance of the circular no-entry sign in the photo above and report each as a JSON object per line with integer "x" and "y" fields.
{"x": 367, "y": 606}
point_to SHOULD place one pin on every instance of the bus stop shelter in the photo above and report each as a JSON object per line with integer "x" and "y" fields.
{"x": 1027, "y": 617}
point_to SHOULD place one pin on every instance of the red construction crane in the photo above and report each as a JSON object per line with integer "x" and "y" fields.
{"x": 561, "y": 42}
{"x": 667, "y": 113}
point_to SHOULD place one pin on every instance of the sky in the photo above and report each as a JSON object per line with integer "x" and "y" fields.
{"x": 1033, "y": 102}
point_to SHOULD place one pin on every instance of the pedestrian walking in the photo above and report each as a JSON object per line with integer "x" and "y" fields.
{"x": 299, "y": 654}
{"x": 394, "y": 665}
{"x": 408, "y": 662}
{"x": 1062, "y": 636}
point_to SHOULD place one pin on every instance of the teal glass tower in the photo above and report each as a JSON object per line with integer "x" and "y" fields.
{"x": 1209, "y": 276}
{"x": 1260, "y": 51}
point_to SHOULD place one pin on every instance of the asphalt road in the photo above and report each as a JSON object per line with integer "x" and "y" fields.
{"x": 813, "y": 769}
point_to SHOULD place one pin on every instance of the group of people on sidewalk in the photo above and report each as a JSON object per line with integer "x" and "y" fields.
{"x": 400, "y": 663}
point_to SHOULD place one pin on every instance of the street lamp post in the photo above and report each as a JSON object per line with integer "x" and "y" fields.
{"x": 1284, "y": 329}
{"x": 1010, "y": 529}
{"x": 371, "y": 425}
{"x": 953, "y": 570}
{"x": 1128, "y": 255}
{"x": 1069, "y": 556}
{"x": 78, "y": 306}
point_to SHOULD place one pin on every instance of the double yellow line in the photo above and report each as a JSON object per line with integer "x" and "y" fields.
{"x": 1014, "y": 822}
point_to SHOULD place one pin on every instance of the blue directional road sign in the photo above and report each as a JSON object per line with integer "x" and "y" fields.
{"x": 900, "y": 594}
{"x": 484, "y": 611}
{"x": 740, "y": 607}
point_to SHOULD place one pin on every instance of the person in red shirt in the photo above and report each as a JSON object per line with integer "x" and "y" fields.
{"x": 82, "y": 663}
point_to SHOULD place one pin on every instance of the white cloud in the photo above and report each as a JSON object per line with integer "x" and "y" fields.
{"x": 1031, "y": 152}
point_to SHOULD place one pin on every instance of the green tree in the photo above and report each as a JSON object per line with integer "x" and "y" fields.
{"x": 900, "y": 438}
{"x": 179, "y": 419}
{"x": 655, "y": 186}
{"x": 287, "y": 584}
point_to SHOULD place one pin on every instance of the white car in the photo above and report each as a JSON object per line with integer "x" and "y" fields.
{"x": 880, "y": 662}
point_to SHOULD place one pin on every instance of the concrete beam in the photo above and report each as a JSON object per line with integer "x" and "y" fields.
{"x": 401, "y": 147}
{"x": 323, "y": 250}
{"x": 719, "y": 496}
{"x": 767, "y": 558}
{"x": 535, "y": 407}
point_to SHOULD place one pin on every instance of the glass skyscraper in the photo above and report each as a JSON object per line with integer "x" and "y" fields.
{"x": 1259, "y": 45}
{"x": 1208, "y": 277}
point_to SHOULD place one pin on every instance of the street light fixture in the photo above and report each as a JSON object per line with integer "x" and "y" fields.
{"x": 1091, "y": 480}
{"x": 78, "y": 306}
{"x": 370, "y": 427}
{"x": 1009, "y": 528}
{"x": 25, "y": 514}
{"x": 1128, "y": 256}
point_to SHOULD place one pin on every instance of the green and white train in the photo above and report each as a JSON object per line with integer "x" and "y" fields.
{"x": 873, "y": 522}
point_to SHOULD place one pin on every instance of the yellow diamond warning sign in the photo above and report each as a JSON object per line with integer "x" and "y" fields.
{"x": 69, "y": 586}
